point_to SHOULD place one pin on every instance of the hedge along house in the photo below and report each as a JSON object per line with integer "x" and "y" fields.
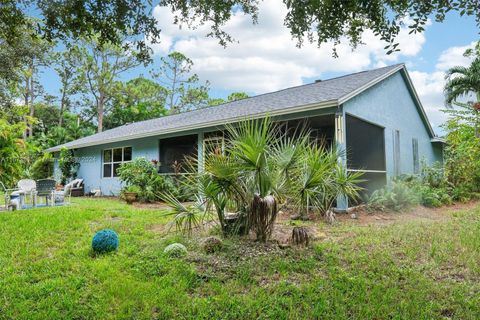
{"x": 374, "y": 115}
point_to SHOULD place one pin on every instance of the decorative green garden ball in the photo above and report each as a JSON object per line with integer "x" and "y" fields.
{"x": 104, "y": 241}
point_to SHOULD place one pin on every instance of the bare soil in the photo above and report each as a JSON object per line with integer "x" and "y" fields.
{"x": 318, "y": 229}
{"x": 417, "y": 213}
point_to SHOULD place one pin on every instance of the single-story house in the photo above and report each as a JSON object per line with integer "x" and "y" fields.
{"x": 375, "y": 115}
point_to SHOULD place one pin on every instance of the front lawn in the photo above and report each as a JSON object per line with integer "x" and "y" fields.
{"x": 417, "y": 269}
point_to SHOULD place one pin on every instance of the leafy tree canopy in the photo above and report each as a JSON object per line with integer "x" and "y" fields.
{"x": 316, "y": 20}
{"x": 136, "y": 100}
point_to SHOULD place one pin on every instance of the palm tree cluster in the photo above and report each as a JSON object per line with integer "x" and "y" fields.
{"x": 264, "y": 168}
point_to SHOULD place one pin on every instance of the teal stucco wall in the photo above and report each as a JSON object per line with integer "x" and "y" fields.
{"x": 390, "y": 104}
{"x": 90, "y": 160}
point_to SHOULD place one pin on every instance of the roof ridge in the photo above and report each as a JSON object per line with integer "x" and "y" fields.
{"x": 264, "y": 94}
{"x": 290, "y": 95}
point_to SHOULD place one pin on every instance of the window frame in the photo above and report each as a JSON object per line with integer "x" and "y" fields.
{"x": 112, "y": 163}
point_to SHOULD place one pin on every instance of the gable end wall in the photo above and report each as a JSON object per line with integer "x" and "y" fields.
{"x": 391, "y": 105}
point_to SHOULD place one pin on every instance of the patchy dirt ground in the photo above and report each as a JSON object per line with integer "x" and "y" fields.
{"x": 417, "y": 213}
{"x": 318, "y": 229}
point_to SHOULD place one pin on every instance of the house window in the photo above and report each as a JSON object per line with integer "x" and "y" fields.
{"x": 113, "y": 159}
{"x": 177, "y": 153}
{"x": 416, "y": 160}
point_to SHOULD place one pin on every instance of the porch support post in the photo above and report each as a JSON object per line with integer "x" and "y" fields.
{"x": 340, "y": 144}
{"x": 200, "y": 151}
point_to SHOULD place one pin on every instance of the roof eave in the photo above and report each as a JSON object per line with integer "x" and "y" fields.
{"x": 438, "y": 140}
{"x": 302, "y": 108}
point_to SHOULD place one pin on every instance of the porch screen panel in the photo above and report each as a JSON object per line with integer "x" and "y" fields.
{"x": 174, "y": 153}
{"x": 365, "y": 145}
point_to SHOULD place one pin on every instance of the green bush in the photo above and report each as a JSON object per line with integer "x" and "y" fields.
{"x": 434, "y": 197}
{"x": 68, "y": 165}
{"x": 42, "y": 168}
{"x": 143, "y": 175}
{"x": 429, "y": 189}
{"x": 462, "y": 154}
{"x": 212, "y": 244}
{"x": 398, "y": 195}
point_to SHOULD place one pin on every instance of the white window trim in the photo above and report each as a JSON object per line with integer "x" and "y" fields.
{"x": 112, "y": 163}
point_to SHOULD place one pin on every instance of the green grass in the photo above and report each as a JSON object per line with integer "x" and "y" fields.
{"x": 414, "y": 270}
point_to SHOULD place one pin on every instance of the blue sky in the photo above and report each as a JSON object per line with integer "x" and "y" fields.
{"x": 266, "y": 58}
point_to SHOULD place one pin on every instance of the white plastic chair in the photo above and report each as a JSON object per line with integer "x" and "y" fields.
{"x": 27, "y": 187}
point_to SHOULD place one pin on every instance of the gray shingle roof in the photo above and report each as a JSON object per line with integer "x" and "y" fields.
{"x": 328, "y": 92}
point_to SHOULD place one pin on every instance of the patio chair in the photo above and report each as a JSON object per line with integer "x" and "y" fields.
{"x": 27, "y": 187}
{"x": 78, "y": 189}
{"x": 46, "y": 188}
{"x": 8, "y": 195}
{"x": 59, "y": 196}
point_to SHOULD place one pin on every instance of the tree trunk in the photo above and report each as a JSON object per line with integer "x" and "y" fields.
{"x": 262, "y": 216}
{"x": 32, "y": 106}
{"x": 26, "y": 101}
{"x": 300, "y": 236}
{"x": 100, "y": 103}
{"x": 62, "y": 109}
{"x": 477, "y": 118}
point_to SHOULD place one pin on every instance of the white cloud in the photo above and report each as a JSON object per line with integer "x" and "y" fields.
{"x": 266, "y": 57}
{"x": 430, "y": 85}
{"x": 453, "y": 57}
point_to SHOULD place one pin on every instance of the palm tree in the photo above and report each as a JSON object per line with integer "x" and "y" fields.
{"x": 261, "y": 169}
{"x": 463, "y": 82}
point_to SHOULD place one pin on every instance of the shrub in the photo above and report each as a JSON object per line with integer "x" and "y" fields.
{"x": 68, "y": 165}
{"x": 433, "y": 175}
{"x": 143, "y": 174}
{"x": 175, "y": 250}
{"x": 434, "y": 197}
{"x": 398, "y": 195}
{"x": 12, "y": 149}
{"x": 429, "y": 189}
{"x": 105, "y": 241}
{"x": 43, "y": 167}
{"x": 462, "y": 154}
{"x": 212, "y": 244}
{"x": 132, "y": 188}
